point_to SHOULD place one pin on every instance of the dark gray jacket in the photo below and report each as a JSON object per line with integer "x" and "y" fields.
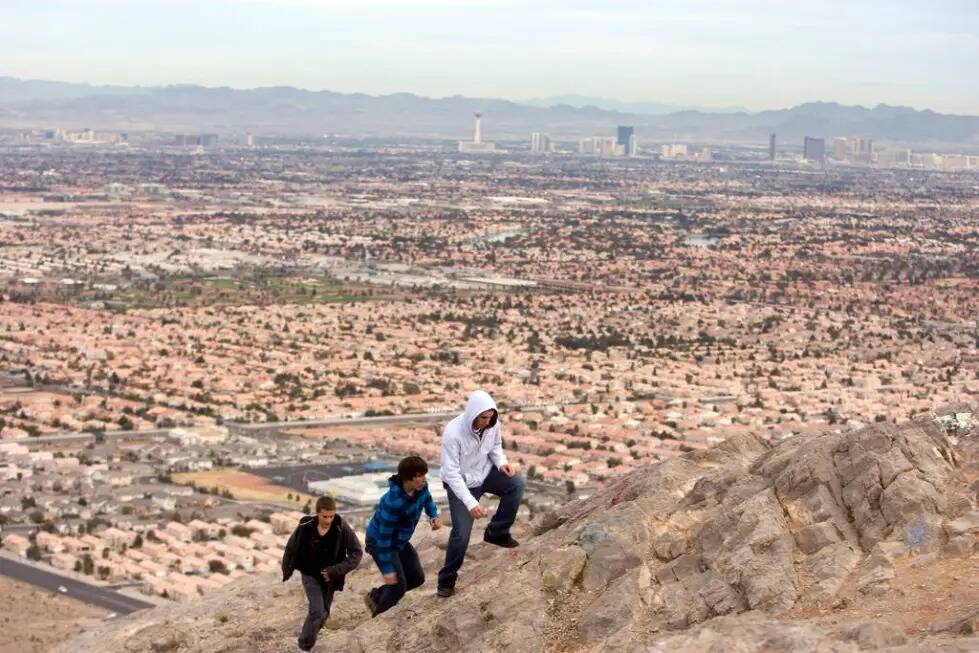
{"x": 344, "y": 559}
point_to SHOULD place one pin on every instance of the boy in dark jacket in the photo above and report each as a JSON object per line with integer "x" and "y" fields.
{"x": 390, "y": 530}
{"x": 324, "y": 549}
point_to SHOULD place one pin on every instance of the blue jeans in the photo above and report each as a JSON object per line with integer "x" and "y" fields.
{"x": 509, "y": 489}
{"x": 410, "y": 575}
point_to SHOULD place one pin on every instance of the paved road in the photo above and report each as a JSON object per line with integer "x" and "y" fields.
{"x": 436, "y": 416}
{"x": 92, "y": 594}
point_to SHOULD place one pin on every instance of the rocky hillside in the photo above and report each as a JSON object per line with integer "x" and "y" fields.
{"x": 847, "y": 541}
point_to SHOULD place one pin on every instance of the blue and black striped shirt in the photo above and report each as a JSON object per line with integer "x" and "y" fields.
{"x": 394, "y": 521}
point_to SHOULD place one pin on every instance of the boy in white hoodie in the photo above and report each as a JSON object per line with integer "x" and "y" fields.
{"x": 472, "y": 464}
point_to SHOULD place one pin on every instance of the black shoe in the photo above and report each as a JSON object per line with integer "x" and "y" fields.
{"x": 506, "y": 541}
{"x": 446, "y": 592}
{"x": 371, "y": 605}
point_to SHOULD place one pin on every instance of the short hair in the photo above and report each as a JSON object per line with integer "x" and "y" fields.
{"x": 411, "y": 467}
{"x": 326, "y": 503}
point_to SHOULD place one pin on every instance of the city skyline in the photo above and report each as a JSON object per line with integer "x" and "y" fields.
{"x": 713, "y": 54}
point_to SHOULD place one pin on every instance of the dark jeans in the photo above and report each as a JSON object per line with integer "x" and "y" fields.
{"x": 509, "y": 489}
{"x": 410, "y": 575}
{"x": 320, "y": 597}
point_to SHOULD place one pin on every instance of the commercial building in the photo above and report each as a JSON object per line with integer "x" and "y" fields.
{"x": 814, "y": 149}
{"x": 540, "y": 143}
{"x": 367, "y": 489}
{"x": 476, "y": 145}
{"x": 625, "y": 141}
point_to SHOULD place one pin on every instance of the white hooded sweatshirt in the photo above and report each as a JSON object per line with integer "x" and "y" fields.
{"x": 467, "y": 455}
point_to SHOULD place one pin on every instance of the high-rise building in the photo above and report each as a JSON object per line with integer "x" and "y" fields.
{"x": 839, "y": 149}
{"x": 540, "y": 143}
{"x": 863, "y": 150}
{"x": 600, "y": 145}
{"x": 771, "y": 147}
{"x": 623, "y": 134}
{"x": 674, "y": 151}
{"x": 814, "y": 149}
{"x": 632, "y": 149}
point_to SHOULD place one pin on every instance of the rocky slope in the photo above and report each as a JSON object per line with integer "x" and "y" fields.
{"x": 863, "y": 540}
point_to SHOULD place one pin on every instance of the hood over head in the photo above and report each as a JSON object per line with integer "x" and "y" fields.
{"x": 479, "y": 401}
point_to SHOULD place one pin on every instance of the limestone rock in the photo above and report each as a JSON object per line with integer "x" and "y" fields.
{"x": 873, "y": 635}
{"x": 963, "y": 525}
{"x": 813, "y": 538}
{"x": 561, "y": 568}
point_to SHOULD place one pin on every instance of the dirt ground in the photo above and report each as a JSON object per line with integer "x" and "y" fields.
{"x": 243, "y": 486}
{"x": 35, "y": 620}
{"x": 921, "y": 596}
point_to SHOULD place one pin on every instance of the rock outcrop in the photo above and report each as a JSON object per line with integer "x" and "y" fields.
{"x": 747, "y": 546}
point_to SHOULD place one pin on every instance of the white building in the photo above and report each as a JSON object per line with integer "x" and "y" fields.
{"x": 367, "y": 489}
{"x": 540, "y": 143}
{"x": 476, "y": 145}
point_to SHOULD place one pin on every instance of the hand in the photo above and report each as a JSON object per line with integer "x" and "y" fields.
{"x": 436, "y": 523}
{"x": 326, "y": 575}
{"x": 509, "y": 470}
{"x": 391, "y": 579}
{"x": 477, "y": 512}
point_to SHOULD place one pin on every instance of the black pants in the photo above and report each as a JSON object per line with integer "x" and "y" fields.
{"x": 320, "y": 597}
{"x": 410, "y": 575}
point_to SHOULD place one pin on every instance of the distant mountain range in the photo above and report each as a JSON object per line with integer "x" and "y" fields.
{"x": 641, "y": 108}
{"x": 288, "y": 111}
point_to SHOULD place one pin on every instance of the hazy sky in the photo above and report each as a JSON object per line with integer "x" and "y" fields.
{"x": 754, "y": 53}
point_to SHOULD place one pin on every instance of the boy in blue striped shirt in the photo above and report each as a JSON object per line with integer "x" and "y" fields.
{"x": 390, "y": 530}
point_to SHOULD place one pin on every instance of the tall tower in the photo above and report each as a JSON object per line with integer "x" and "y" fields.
{"x": 771, "y": 147}
{"x": 476, "y": 135}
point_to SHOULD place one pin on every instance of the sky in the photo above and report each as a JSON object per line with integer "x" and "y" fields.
{"x": 759, "y": 54}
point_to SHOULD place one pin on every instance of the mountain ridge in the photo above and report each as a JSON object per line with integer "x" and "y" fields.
{"x": 289, "y": 111}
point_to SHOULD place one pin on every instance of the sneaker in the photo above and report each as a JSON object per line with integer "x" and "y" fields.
{"x": 371, "y": 605}
{"x": 446, "y": 592}
{"x": 506, "y": 541}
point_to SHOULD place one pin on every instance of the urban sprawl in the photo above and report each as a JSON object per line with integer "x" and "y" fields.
{"x": 201, "y": 334}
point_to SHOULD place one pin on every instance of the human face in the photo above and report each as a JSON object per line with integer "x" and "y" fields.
{"x": 416, "y": 483}
{"x": 483, "y": 419}
{"x": 325, "y": 518}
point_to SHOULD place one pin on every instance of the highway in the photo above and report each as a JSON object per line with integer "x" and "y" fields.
{"x": 102, "y": 597}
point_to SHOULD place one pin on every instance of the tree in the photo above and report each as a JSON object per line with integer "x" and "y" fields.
{"x": 569, "y": 486}
{"x": 88, "y": 567}
{"x": 217, "y": 567}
